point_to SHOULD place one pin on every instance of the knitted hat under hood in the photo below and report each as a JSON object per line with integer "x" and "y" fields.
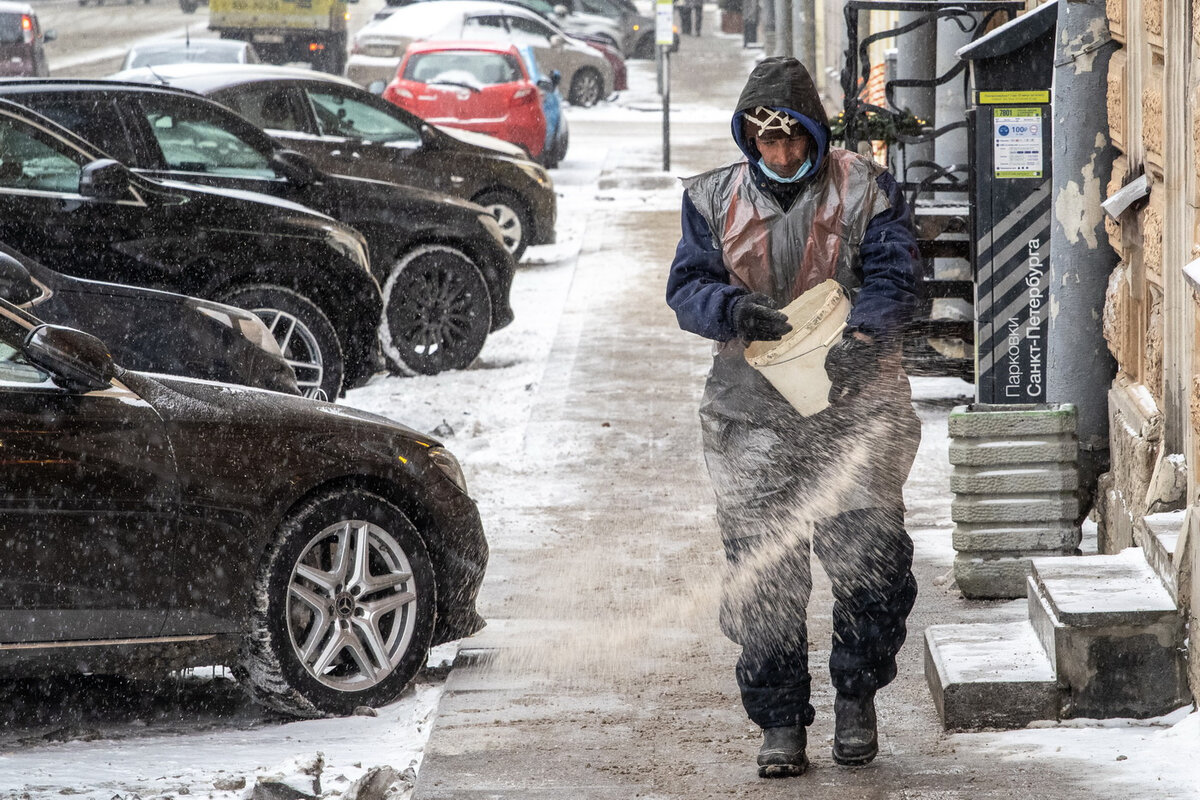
{"x": 783, "y": 84}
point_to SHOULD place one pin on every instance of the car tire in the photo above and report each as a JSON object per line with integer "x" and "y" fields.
{"x": 344, "y": 608}
{"x": 305, "y": 335}
{"x": 512, "y": 217}
{"x": 645, "y": 47}
{"x": 560, "y": 148}
{"x": 436, "y": 311}
{"x": 587, "y": 88}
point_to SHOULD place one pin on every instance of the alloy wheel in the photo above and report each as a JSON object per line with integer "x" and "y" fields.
{"x": 587, "y": 88}
{"x": 510, "y": 225}
{"x": 300, "y": 349}
{"x": 351, "y": 607}
{"x": 437, "y": 312}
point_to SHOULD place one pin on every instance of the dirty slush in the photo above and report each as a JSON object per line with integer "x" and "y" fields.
{"x": 601, "y": 612}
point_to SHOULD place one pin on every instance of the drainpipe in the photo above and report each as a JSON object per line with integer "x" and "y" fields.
{"x": 1080, "y": 369}
{"x": 918, "y": 61}
{"x": 806, "y": 35}
{"x": 785, "y": 45}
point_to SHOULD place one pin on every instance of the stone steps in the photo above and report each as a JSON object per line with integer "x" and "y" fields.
{"x": 1104, "y": 639}
{"x": 990, "y": 675}
{"x": 1162, "y": 535}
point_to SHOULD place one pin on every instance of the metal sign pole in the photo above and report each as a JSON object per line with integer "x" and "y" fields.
{"x": 666, "y": 105}
{"x": 664, "y": 35}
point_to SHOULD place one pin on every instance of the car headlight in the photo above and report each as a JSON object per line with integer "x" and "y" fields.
{"x": 448, "y": 464}
{"x": 493, "y": 227}
{"x": 349, "y": 244}
{"x": 535, "y": 171}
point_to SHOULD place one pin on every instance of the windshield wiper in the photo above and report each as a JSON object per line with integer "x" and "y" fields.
{"x": 453, "y": 83}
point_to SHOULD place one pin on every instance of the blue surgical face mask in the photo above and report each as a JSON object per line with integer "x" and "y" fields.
{"x": 800, "y": 173}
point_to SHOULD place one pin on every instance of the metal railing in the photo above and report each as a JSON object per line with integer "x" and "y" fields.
{"x": 971, "y": 17}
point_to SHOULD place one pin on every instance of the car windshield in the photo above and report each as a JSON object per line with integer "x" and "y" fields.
{"x": 464, "y": 68}
{"x": 196, "y": 53}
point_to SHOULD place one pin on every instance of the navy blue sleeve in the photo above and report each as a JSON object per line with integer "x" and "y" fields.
{"x": 888, "y": 257}
{"x": 698, "y": 286}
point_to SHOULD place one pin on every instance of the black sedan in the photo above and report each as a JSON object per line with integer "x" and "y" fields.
{"x": 445, "y": 271}
{"x": 148, "y": 520}
{"x": 65, "y": 202}
{"x": 149, "y": 330}
{"x": 347, "y": 130}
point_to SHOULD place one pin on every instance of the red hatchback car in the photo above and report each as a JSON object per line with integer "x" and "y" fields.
{"x": 477, "y": 86}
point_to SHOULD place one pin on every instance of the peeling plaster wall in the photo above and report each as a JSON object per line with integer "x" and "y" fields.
{"x": 1150, "y": 317}
{"x": 1077, "y": 207}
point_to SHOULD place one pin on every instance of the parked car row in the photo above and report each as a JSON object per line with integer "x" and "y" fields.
{"x": 380, "y": 45}
{"x": 154, "y": 516}
{"x": 443, "y": 265}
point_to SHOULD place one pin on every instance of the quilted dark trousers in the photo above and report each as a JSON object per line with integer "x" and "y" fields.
{"x": 868, "y": 556}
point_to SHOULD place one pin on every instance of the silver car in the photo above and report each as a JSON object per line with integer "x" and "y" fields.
{"x": 188, "y": 50}
{"x": 378, "y": 46}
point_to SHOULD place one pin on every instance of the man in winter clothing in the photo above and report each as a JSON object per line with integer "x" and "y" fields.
{"x": 756, "y": 234}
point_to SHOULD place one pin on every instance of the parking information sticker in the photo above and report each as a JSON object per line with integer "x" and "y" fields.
{"x": 664, "y": 23}
{"x": 1017, "y": 133}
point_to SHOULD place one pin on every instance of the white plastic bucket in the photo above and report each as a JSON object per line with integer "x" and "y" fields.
{"x": 795, "y": 365}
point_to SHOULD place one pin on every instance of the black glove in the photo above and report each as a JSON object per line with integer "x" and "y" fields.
{"x": 851, "y": 364}
{"x": 756, "y": 320}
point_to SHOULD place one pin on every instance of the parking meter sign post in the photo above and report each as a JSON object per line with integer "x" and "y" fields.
{"x": 1012, "y": 241}
{"x": 1012, "y": 70}
{"x": 664, "y": 36}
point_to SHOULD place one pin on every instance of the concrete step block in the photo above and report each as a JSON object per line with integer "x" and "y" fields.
{"x": 1013, "y": 449}
{"x": 990, "y": 675}
{"x": 1019, "y": 479}
{"x": 981, "y": 420}
{"x": 1162, "y": 536}
{"x": 994, "y": 575}
{"x": 1113, "y": 633}
{"x": 1049, "y": 537}
{"x": 1044, "y": 508}
{"x": 1104, "y": 590}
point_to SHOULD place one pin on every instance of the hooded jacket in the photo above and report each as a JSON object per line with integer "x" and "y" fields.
{"x": 846, "y": 219}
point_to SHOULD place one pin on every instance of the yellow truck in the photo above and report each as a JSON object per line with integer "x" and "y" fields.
{"x": 283, "y": 31}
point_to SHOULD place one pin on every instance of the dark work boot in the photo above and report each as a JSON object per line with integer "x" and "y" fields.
{"x": 855, "y": 740}
{"x": 782, "y": 752}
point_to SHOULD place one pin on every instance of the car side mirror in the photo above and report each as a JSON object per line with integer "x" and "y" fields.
{"x": 557, "y": 41}
{"x": 78, "y": 361}
{"x": 546, "y": 85}
{"x": 555, "y": 77}
{"x": 295, "y": 167}
{"x": 52, "y": 34}
{"x": 104, "y": 179}
{"x": 16, "y": 284}
{"x": 376, "y": 87}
